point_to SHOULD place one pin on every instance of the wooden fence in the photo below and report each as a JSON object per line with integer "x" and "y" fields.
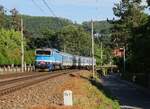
{"x": 16, "y": 68}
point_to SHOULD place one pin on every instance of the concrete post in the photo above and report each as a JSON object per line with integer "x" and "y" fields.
{"x": 68, "y": 98}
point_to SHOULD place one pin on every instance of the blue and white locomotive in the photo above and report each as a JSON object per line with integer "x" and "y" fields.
{"x": 53, "y": 59}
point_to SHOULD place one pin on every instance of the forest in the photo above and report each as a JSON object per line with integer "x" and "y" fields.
{"x": 49, "y": 32}
{"x": 131, "y": 30}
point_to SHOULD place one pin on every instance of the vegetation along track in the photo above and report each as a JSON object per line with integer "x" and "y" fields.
{"x": 12, "y": 85}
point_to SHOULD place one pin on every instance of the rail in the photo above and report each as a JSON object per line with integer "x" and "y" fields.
{"x": 9, "y": 86}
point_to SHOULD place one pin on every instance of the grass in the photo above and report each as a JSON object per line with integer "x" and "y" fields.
{"x": 88, "y": 93}
{"x": 96, "y": 97}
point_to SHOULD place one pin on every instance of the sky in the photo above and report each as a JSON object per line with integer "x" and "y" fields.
{"x": 75, "y": 10}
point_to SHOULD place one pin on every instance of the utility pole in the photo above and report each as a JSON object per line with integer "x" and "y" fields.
{"x": 92, "y": 35}
{"x": 101, "y": 53}
{"x": 22, "y": 47}
{"x": 124, "y": 59}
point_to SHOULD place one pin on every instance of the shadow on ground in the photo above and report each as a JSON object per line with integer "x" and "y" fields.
{"x": 105, "y": 91}
{"x": 128, "y": 95}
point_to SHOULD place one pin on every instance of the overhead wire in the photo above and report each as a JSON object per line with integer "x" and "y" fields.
{"x": 50, "y": 9}
{"x": 99, "y": 34}
{"x": 34, "y": 2}
{"x": 53, "y": 13}
{"x": 59, "y": 22}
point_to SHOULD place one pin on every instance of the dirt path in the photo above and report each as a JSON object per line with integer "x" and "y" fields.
{"x": 129, "y": 96}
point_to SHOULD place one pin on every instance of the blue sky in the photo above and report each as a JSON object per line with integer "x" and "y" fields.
{"x": 76, "y": 10}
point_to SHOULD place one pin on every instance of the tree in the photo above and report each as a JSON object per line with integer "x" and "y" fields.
{"x": 2, "y": 14}
{"x": 16, "y": 20}
{"x": 10, "y": 46}
{"x": 130, "y": 14}
{"x": 132, "y": 31}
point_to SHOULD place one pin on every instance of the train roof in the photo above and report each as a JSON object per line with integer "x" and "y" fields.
{"x": 47, "y": 49}
{"x": 51, "y": 49}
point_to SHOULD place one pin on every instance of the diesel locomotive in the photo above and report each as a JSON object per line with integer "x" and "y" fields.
{"x": 52, "y": 59}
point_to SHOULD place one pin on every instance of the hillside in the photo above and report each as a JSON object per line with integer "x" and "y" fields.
{"x": 35, "y": 25}
{"x": 99, "y": 26}
{"x": 50, "y": 32}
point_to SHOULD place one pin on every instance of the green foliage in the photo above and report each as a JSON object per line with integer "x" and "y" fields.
{"x": 34, "y": 26}
{"x": 16, "y": 20}
{"x": 131, "y": 16}
{"x": 35, "y": 32}
{"x": 2, "y": 11}
{"x": 74, "y": 40}
{"x": 132, "y": 31}
{"x": 9, "y": 46}
{"x": 102, "y": 27}
{"x": 103, "y": 30}
{"x": 49, "y": 32}
{"x": 29, "y": 56}
{"x": 71, "y": 39}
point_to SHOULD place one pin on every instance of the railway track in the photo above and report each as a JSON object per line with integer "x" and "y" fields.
{"x": 20, "y": 78}
{"x": 8, "y": 86}
{"x": 13, "y": 75}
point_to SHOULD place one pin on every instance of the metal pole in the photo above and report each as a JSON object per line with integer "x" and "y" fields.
{"x": 124, "y": 59}
{"x": 22, "y": 47}
{"x": 101, "y": 53}
{"x": 93, "y": 69}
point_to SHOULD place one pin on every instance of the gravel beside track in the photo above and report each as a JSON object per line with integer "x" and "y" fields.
{"x": 18, "y": 83}
{"x": 33, "y": 95}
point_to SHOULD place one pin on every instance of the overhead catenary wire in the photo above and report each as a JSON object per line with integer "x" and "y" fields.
{"x": 50, "y": 9}
{"x": 34, "y": 2}
{"x": 53, "y": 13}
{"x": 99, "y": 37}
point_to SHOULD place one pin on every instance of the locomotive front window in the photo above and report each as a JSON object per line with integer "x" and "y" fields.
{"x": 41, "y": 52}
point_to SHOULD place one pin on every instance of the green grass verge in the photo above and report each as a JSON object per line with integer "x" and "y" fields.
{"x": 96, "y": 97}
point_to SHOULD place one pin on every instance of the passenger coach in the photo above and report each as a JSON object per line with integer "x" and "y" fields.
{"x": 53, "y": 59}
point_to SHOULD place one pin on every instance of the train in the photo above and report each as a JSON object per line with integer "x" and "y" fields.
{"x": 51, "y": 59}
